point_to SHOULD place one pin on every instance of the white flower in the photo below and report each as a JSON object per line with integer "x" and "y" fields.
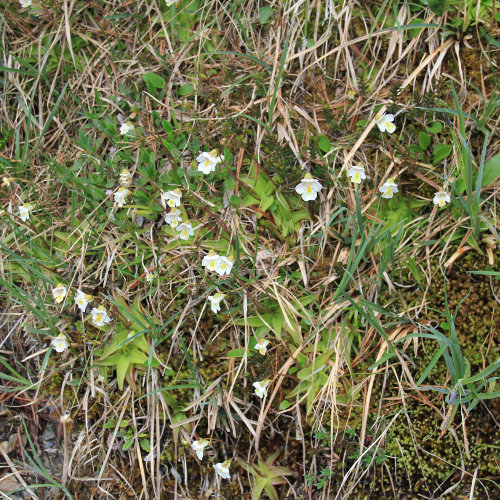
{"x": 60, "y": 343}
{"x": 82, "y": 300}
{"x": 59, "y": 292}
{"x": 100, "y": 316}
{"x": 308, "y": 188}
{"x": 357, "y": 174}
{"x": 261, "y": 346}
{"x": 199, "y": 446}
{"x": 351, "y": 94}
{"x": 385, "y": 123}
{"x": 261, "y": 388}
{"x": 121, "y": 196}
{"x": 211, "y": 261}
{"x": 149, "y": 277}
{"x": 170, "y": 2}
{"x": 24, "y": 211}
{"x": 388, "y": 188}
{"x": 185, "y": 230}
{"x": 173, "y": 217}
{"x": 126, "y": 128}
{"x": 223, "y": 469}
{"x": 171, "y": 198}
{"x": 208, "y": 161}
{"x": 150, "y": 456}
{"x": 224, "y": 266}
{"x": 215, "y": 301}
{"x": 441, "y": 198}
{"x": 25, "y": 3}
{"x": 125, "y": 177}
{"x": 7, "y": 181}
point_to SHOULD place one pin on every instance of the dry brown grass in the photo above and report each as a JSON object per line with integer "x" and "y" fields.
{"x": 251, "y": 96}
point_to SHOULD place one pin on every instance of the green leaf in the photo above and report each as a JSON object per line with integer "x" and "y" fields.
{"x": 75, "y": 382}
{"x": 168, "y": 128}
{"x": 278, "y": 322}
{"x": 16, "y": 376}
{"x": 153, "y": 82}
{"x": 122, "y": 367}
{"x": 145, "y": 445}
{"x": 440, "y": 152}
{"x": 265, "y": 13}
{"x": 437, "y": 6}
{"x": 235, "y": 201}
{"x": 127, "y": 444}
{"x": 386, "y": 357}
{"x": 324, "y": 144}
{"x": 435, "y": 127}
{"x": 137, "y": 357}
{"x": 431, "y": 365}
{"x": 284, "y": 405}
{"x": 261, "y": 331}
{"x": 298, "y": 215}
{"x": 186, "y": 89}
{"x": 491, "y": 170}
{"x": 249, "y": 200}
{"x": 255, "y": 320}
{"x": 266, "y": 202}
{"x": 318, "y": 364}
{"x": 316, "y": 386}
{"x": 415, "y": 31}
{"x": 237, "y": 353}
{"x": 484, "y": 373}
{"x": 424, "y": 140}
{"x": 486, "y": 273}
{"x": 260, "y": 483}
{"x": 415, "y": 149}
{"x": 271, "y": 492}
{"x": 229, "y": 183}
{"x": 456, "y": 22}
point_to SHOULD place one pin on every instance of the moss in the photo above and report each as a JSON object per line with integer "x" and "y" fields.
{"x": 422, "y": 461}
{"x": 430, "y": 458}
